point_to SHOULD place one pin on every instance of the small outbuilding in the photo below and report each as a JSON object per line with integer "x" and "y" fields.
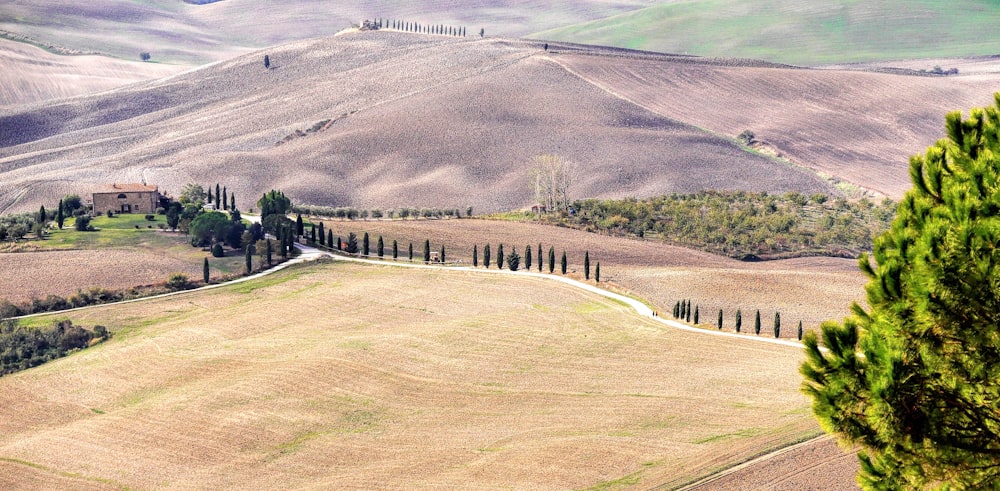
{"x": 127, "y": 198}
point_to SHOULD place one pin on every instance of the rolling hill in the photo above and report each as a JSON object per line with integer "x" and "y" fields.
{"x": 803, "y": 33}
{"x": 399, "y": 120}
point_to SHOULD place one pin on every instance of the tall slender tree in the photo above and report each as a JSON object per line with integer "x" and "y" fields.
{"x": 696, "y": 317}
{"x": 513, "y": 260}
{"x": 205, "y": 273}
{"x": 322, "y": 234}
{"x": 329, "y": 238}
{"x": 527, "y": 257}
{"x": 777, "y": 324}
{"x": 380, "y": 247}
{"x": 597, "y": 272}
{"x": 427, "y": 250}
{"x": 249, "y": 260}
{"x": 562, "y": 263}
{"x": 739, "y": 320}
{"x": 60, "y": 217}
{"x": 225, "y": 199}
{"x": 299, "y": 225}
{"x": 552, "y": 259}
{"x": 218, "y": 198}
{"x": 411, "y": 252}
{"x": 500, "y": 256}
{"x": 720, "y": 319}
{"x": 395, "y": 250}
{"x": 42, "y": 215}
{"x": 586, "y": 266}
{"x": 486, "y": 256}
{"x": 269, "y": 251}
{"x": 442, "y": 254}
{"x": 756, "y": 324}
{"x": 800, "y": 331}
{"x": 475, "y": 255}
{"x": 540, "y": 257}
{"x": 365, "y": 243}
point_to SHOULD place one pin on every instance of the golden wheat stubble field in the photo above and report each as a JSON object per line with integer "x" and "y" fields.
{"x": 812, "y": 289}
{"x": 858, "y": 126}
{"x": 357, "y": 376}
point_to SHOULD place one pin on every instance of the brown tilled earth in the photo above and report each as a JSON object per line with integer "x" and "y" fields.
{"x": 355, "y": 376}
{"x": 810, "y": 290}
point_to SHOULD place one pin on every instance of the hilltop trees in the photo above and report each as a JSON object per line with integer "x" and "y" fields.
{"x": 550, "y": 180}
{"x": 914, "y": 379}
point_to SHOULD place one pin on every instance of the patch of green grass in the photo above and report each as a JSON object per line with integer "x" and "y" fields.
{"x": 804, "y": 33}
{"x": 623, "y": 482}
{"x": 746, "y": 433}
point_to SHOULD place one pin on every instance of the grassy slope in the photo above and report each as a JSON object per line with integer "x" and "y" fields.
{"x": 360, "y": 374}
{"x": 416, "y": 121}
{"x": 798, "y": 32}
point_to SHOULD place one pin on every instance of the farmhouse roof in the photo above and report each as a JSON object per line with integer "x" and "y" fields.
{"x": 127, "y": 188}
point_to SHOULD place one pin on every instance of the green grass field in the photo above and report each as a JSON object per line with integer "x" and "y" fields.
{"x": 805, "y": 33}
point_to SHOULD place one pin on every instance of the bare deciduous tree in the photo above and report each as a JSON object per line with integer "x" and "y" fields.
{"x": 551, "y": 178}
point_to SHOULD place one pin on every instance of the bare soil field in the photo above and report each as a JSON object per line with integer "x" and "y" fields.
{"x": 355, "y": 376}
{"x": 384, "y": 119}
{"x": 811, "y": 290}
{"x": 858, "y": 126}
{"x": 33, "y": 75}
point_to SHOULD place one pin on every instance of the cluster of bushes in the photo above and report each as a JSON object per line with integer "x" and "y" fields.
{"x": 350, "y": 213}
{"x": 16, "y": 226}
{"x": 682, "y": 311}
{"x": 22, "y": 347}
{"x": 740, "y": 224}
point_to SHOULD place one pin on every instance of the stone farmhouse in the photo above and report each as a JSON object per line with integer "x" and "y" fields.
{"x": 127, "y": 198}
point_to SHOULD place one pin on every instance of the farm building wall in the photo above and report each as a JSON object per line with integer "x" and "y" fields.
{"x": 127, "y": 200}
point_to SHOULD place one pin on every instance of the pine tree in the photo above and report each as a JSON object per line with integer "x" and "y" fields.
{"x": 739, "y": 320}
{"x": 552, "y": 259}
{"x": 513, "y": 260}
{"x": 563, "y": 263}
{"x": 756, "y": 324}
{"x": 205, "y": 273}
{"x": 914, "y": 378}
{"x": 352, "y": 243}
{"x": 586, "y": 266}
{"x": 500, "y": 257}
{"x": 597, "y": 272}
{"x": 365, "y": 243}
{"x": 777, "y": 324}
{"x": 427, "y": 251}
{"x": 475, "y": 256}
{"x": 395, "y": 250}
{"x": 380, "y": 247}
{"x": 527, "y": 258}
{"x": 539, "y": 257}
{"x": 60, "y": 217}
{"x": 720, "y": 319}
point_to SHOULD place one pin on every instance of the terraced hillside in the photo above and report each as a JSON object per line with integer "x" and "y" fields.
{"x": 345, "y": 376}
{"x": 372, "y": 119}
{"x": 804, "y": 33}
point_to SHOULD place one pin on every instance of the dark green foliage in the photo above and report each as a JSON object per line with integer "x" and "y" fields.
{"x": 286, "y": 241}
{"x": 23, "y": 347}
{"x": 365, "y": 242}
{"x": 267, "y": 61}
{"x": 411, "y": 251}
{"x": 500, "y": 256}
{"x": 144, "y": 56}
{"x": 312, "y": 234}
{"x": 513, "y": 260}
{"x": 232, "y": 201}
{"x": 340, "y": 244}
{"x": 756, "y": 323}
{"x": 540, "y": 257}
{"x": 695, "y": 314}
{"x": 248, "y": 259}
{"x": 395, "y": 250}
{"x": 322, "y": 235}
{"x": 218, "y": 199}
{"x": 552, "y": 259}
{"x": 178, "y": 281}
{"x": 269, "y": 252}
{"x": 597, "y": 272}
{"x": 475, "y": 255}
{"x": 914, "y": 379}
{"x": 720, "y": 319}
{"x": 687, "y": 311}
{"x": 208, "y": 228}
{"x": 60, "y": 216}
{"x": 299, "y": 225}
{"x": 174, "y": 214}
{"x": 205, "y": 273}
{"x": 427, "y": 250}
{"x": 562, "y": 263}
{"x": 352, "y": 243}
{"x": 741, "y": 224}
{"x": 380, "y": 247}
{"x": 442, "y": 253}
{"x": 110, "y": 213}
{"x": 527, "y": 257}
{"x": 800, "y": 331}
{"x": 739, "y": 320}
{"x": 329, "y": 239}
{"x": 677, "y": 310}
{"x": 82, "y": 223}
{"x": 586, "y": 266}
{"x": 271, "y": 203}
{"x": 225, "y": 198}
{"x": 777, "y": 324}
{"x": 683, "y": 309}
{"x": 71, "y": 203}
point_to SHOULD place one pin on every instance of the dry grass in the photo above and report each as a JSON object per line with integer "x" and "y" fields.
{"x": 419, "y": 120}
{"x": 346, "y": 376}
{"x": 808, "y": 289}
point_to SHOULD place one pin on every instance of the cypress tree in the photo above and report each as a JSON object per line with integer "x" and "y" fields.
{"x": 205, "y": 274}
{"x": 352, "y": 243}
{"x": 597, "y": 272}
{"x": 312, "y": 234}
{"x": 427, "y": 250}
{"x": 688, "y": 318}
{"x": 269, "y": 252}
{"x": 60, "y": 217}
{"x": 380, "y": 246}
{"x": 411, "y": 252}
{"x": 777, "y": 324}
{"x": 500, "y": 257}
{"x": 527, "y": 258}
{"x": 756, "y": 324}
{"x": 395, "y": 250}
{"x": 486, "y": 256}
{"x": 225, "y": 199}
{"x": 720, "y": 319}
{"x": 42, "y": 215}
{"x": 249, "y": 261}
{"x": 683, "y": 309}
{"x": 322, "y": 234}
{"x": 284, "y": 242}
{"x": 218, "y": 198}
{"x": 329, "y": 239}
{"x": 586, "y": 267}
{"x": 340, "y": 244}
{"x": 267, "y": 61}
{"x": 563, "y": 263}
{"x": 442, "y": 254}
{"x": 695, "y": 314}
{"x": 739, "y": 320}
{"x": 232, "y": 201}
{"x": 475, "y": 255}
{"x": 539, "y": 257}
{"x": 365, "y": 244}
{"x": 800, "y": 330}
{"x": 677, "y": 309}
{"x": 210, "y": 199}
{"x": 299, "y": 227}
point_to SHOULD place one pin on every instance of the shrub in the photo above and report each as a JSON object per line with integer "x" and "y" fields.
{"x": 178, "y": 281}
{"x": 83, "y": 223}
{"x": 217, "y": 250}
{"x": 151, "y": 218}
{"x": 110, "y": 213}
{"x": 513, "y": 260}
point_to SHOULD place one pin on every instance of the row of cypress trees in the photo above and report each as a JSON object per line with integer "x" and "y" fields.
{"x": 406, "y": 26}
{"x": 682, "y": 311}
